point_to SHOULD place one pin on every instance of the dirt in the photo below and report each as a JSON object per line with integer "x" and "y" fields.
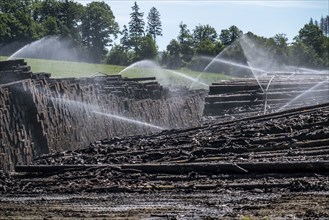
{"x": 221, "y": 204}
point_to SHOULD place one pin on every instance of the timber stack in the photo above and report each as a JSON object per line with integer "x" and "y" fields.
{"x": 240, "y": 98}
{"x": 40, "y": 114}
{"x": 285, "y": 151}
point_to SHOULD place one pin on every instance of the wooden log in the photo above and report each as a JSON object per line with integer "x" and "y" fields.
{"x": 213, "y": 168}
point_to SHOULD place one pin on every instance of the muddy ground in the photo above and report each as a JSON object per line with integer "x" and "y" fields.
{"x": 274, "y": 166}
{"x": 221, "y": 204}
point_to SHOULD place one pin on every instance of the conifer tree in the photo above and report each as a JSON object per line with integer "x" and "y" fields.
{"x": 154, "y": 23}
{"x": 136, "y": 25}
{"x": 125, "y": 41}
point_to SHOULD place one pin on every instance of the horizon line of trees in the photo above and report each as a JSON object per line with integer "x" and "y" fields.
{"x": 92, "y": 29}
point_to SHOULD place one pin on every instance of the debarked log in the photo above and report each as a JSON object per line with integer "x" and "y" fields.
{"x": 211, "y": 168}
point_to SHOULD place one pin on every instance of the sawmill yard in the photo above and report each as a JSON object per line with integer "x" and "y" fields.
{"x": 111, "y": 147}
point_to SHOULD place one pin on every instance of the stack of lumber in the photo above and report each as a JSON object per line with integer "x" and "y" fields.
{"x": 13, "y": 70}
{"x": 285, "y": 151}
{"x": 41, "y": 115}
{"x": 243, "y": 97}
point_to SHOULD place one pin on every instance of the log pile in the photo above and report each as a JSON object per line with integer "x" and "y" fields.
{"x": 14, "y": 70}
{"x": 39, "y": 114}
{"x": 279, "y": 151}
{"x": 240, "y": 98}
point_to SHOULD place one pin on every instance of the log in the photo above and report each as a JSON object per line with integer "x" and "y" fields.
{"x": 211, "y": 168}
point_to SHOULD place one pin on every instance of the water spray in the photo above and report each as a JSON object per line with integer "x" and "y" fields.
{"x": 128, "y": 120}
{"x": 266, "y": 90}
{"x": 302, "y": 94}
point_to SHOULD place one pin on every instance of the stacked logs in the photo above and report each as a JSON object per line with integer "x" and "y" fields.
{"x": 14, "y": 70}
{"x": 41, "y": 115}
{"x": 240, "y": 98}
{"x": 280, "y": 151}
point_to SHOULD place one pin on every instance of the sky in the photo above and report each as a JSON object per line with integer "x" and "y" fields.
{"x": 264, "y": 18}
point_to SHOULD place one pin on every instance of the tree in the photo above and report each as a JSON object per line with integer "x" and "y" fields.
{"x": 204, "y": 32}
{"x": 17, "y": 23}
{"x": 98, "y": 26}
{"x": 235, "y": 32}
{"x": 173, "y": 57}
{"x": 125, "y": 40}
{"x": 186, "y": 43}
{"x": 51, "y": 26}
{"x": 281, "y": 47}
{"x": 147, "y": 48}
{"x": 312, "y": 35}
{"x": 204, "y": 41}
{"x": 228, "y": 36}
{"x": 154, "y": 23}
{"x": 136, "y": 25}
{"x": 70, "y": 18}
{"x": 302, "y": 55}
{"x": 324, "y": 25}
{"x": 48, "y": 8}
{"x": 206, "y": 47}
{"x": 118, "y": 55}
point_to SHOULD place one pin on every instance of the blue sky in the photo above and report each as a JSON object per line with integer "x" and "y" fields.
{"x": 265, "y": 18}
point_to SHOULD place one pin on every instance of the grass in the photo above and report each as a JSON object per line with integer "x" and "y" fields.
{"x": 60, "y": 69}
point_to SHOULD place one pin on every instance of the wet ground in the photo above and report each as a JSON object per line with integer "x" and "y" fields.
{"x": 221, "y": 204}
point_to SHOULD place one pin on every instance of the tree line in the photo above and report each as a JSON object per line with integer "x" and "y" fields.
{"x": 190, "y": 49}
{"x": 92, "y": 28}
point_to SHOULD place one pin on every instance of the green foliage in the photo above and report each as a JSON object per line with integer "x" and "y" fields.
{"x": 186, "y": 44}
{"x": 324, "y": 25}
{"x": 312, "y": 35}
{"x": 118, "y": 55}
{"x": 98, "y": 26}
{"x": 154, "y": 23}
{"x": 125, "y": 40}
{"x": 16, "y": 24}
{"x": 173, "y": 60}
{"x": 51, "y": 26}
{"x": 146, "y": 49}
{"x": 93, "y": 28}
{"x": 228, "y": 36}
{"x": 136, "y": 25}
{"x": 205, "y": 41}
{"x": 302, "y": 55}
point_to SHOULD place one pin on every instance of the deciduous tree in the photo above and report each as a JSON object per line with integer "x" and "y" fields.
{"x": 98, "y": 28}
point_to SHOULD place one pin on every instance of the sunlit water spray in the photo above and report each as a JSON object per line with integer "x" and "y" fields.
{"x": 193, "y": 80}
{"x": 51, "y": 47}
{"x": 161, "y": 74}
{"x": 217, "y": 59}
{"x": 231, "y": 63}
{"x": 254, "y": 73}
{"x": 121, "y": 118}
{"x": 303, "y": 94}
{"x": 140, "y": 64}
{"x": 96, "y": 110}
